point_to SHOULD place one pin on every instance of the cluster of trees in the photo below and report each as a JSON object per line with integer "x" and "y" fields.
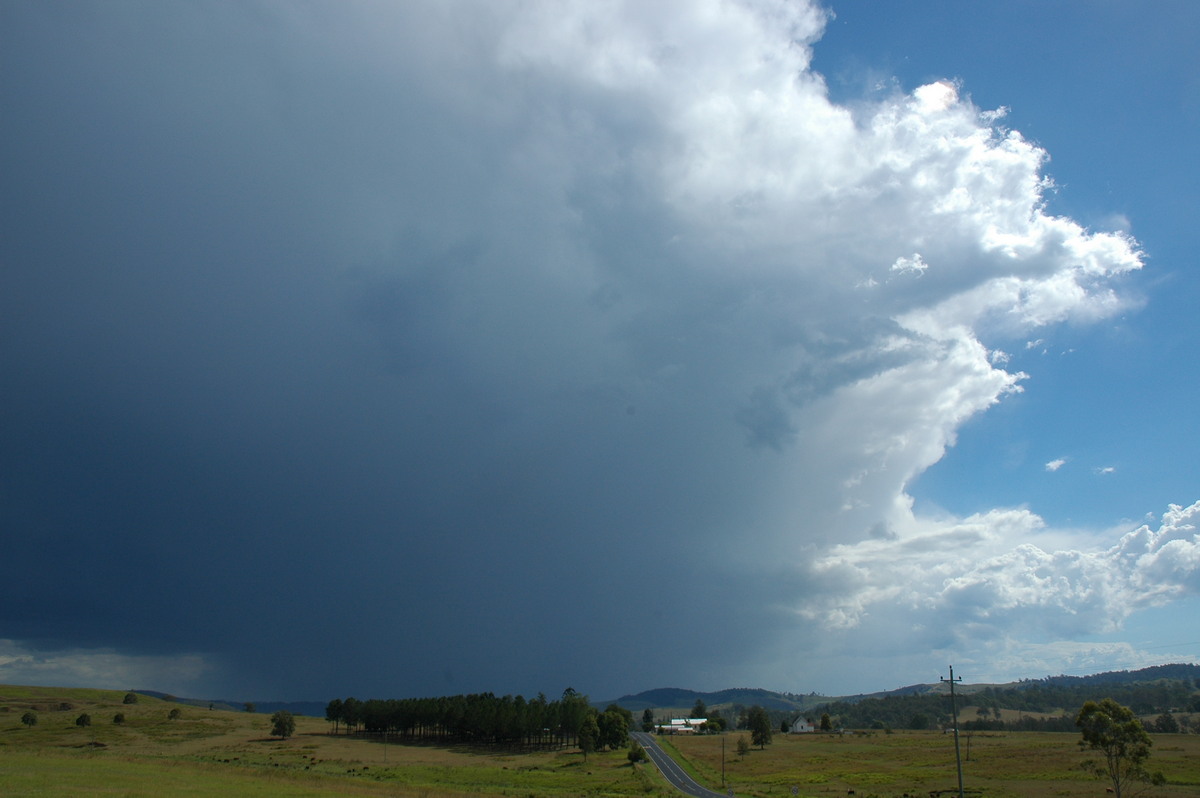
{"x": 486, "y": 719}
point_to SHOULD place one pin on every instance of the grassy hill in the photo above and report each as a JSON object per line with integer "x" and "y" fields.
{"x": 210, "y": 752}
{"x": 224, "y": 752}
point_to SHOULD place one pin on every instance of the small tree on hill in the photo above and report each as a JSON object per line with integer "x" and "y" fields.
{"x": 130, "y": 698}
{"x": 283, "y": 724}
{"x": 29, "y": 718}
{"x": 83, "y": 720}
{"x": 1166, "y": 724}
{"x": 743, "y": 747}
{"x": 175, "y": 714}
{"x": 1119, "y": 736}
{"x": 119, "y": 718}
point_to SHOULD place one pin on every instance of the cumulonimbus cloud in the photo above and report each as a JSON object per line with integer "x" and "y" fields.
{"x": 470, "y": 288}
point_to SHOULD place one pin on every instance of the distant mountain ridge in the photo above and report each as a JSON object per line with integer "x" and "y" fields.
{"x": 679, "y": 699}
{"x": 315, "y": 709}
{"x": 682, "y": 699}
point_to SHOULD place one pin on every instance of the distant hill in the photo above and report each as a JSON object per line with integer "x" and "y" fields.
{"x": 674, "y": 698}
{"x": 677, "y": 700}
{"x": 315, "y": 709}
{"x": 682, "y": 700}
{"x": 1047, "y": 704}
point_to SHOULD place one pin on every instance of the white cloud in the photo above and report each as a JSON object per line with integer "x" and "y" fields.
{"x": 1056, "y": 464}
{"x": 1103, "y": 470}
{"x": 101, "y": 668}
{"x": 984, "y": 578}
{"x": 914, "y": 265}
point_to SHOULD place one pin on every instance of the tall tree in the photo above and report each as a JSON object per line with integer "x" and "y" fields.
{"x": 283, "y": 724}
{"x": 575, "y": 708}
{"x": 588, "y": 735}
{"x": 647, "y": 720}
{"x": 699, "y": 710}
{"x": 351, "y": 713}
{"x": 333, "y": 713}
{"x": 760, "y": 726}
{"x": 614, "y": 729}
{"x": 1114, "y": 731}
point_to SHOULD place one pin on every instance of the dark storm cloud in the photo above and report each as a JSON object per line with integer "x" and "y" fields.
{"x": 426, "y": 348}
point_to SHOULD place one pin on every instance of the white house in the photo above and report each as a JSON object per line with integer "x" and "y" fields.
{"x": 681, "y": 726}
{"x": 800, "y": 726}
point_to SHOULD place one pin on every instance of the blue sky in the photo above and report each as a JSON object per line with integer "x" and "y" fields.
{"x": 413, "y": 349}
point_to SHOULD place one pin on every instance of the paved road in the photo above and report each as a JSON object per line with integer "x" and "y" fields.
{"x": 671, "y": 769}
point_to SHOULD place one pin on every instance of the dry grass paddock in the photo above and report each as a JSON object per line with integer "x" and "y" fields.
{"x": 214, "y": 752}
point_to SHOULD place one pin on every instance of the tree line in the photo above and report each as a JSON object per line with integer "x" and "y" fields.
{"x": 486, "y": 719}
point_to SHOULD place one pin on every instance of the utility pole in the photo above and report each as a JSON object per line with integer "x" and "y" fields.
{"x": 954, "y": 711}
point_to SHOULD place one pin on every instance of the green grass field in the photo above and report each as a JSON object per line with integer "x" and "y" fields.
{"x": 215, "y": 752}
{"x": 224, "y": 753}
{"x": 1001, "y": 764}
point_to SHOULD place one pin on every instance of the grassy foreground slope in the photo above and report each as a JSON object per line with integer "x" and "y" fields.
{"x": 219, "y": 752}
